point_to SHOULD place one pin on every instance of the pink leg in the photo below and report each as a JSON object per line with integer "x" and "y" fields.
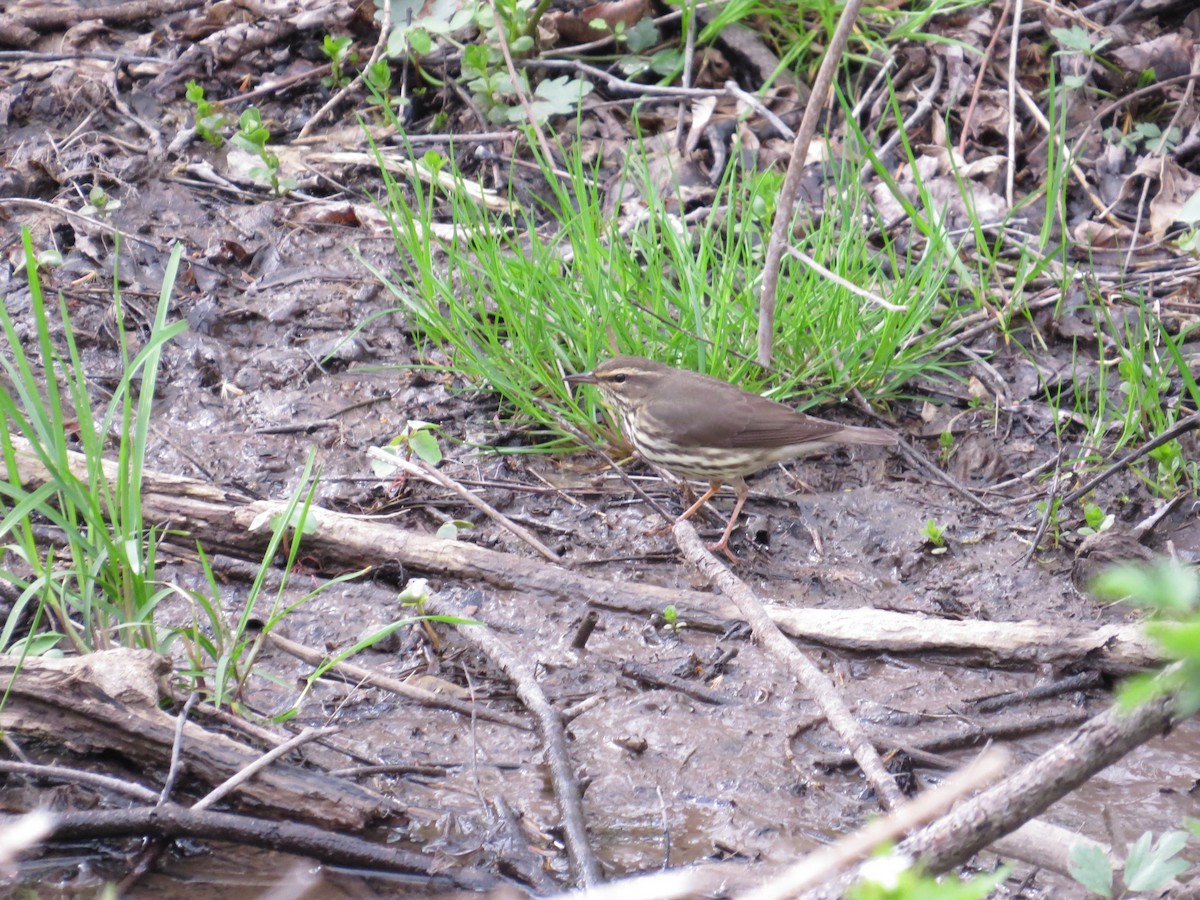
{"x": 743, "y": 491}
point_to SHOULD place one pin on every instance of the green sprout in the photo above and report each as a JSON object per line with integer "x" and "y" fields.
{"x": 341, "y": 54}
{"x": 207, "y": 119}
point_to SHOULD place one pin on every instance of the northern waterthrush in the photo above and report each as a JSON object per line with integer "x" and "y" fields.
{"x": 695, "y": 426}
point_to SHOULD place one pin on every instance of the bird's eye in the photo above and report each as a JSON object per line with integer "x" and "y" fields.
{"x": 620, "y": 377}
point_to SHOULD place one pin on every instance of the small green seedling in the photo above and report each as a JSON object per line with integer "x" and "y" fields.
{"x": 945, "y": 445}
{"x": 935, "y": 536}
{"x": 671, "y": 617}
{"x": 99, "y": 203}
{"x": 419, "y": 438}
{"x": 341, "y": 54}
{"x": 252, "y": 136}
{"x": 1097, "y": 520}
{"x": 1053, "y": 519}
{"x": 207, "y": 119}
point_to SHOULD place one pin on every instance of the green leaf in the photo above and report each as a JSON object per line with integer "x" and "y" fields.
{"x": 1073, "y": 38}
{"x": 558, "y": 96}
{"x": 475, "y": 59}
{"x": 1148, "y": 867}
{"x": 642, "y": 36}
{"x": 1178, "y": 640}
{"x": 424, "y": 443}
{"x": 420, "y": 41}
{"x": 447, "y": 532}
{"x": 1091, "y": 867}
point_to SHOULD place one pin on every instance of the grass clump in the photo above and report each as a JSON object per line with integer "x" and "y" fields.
{"x": 516, "y": 302}
{"x": 98, "y": 589}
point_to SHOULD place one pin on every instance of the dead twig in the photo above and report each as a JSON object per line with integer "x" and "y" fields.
{"x": 385, "y": 30}
{"x": 522, "y": 95}
{"x": 786, "y": 203}
{"x": 327, "y": 846}
{"x": 767, "y": 633}
{"x": 426, "y": 472}
{"x": 584, "y": 865}
{"x": 1181, "y": 427}
{"x": 387, "y": 683}
{"x": 842, "y": 282}
{"x": 1011, "y": 172}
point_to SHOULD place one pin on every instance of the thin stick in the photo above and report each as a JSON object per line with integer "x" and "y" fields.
{"x": 238, "y": 778}
{"x": 376, "y": 679}
{"x": 767, "y": 633}
{"x": 385, "y": 30}
{"x": 1010, "y": 177}
{"x": 584, "y": 865}
{"x": 426, "y": 472}
{"x": 786, "y": 207}
{"x": 1181, "y": 427}
{"x": 842, "y": 282}
{"x": 516, "y": 83}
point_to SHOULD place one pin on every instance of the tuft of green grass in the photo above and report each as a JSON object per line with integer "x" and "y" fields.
{"x": 518, "y": 301}
{"x": 99, "y": 588}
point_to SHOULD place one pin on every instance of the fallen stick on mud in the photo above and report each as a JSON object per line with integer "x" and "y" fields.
{"x": 805, "y": 671}
{"x": 189, "y": 511}
{"x": 584, "y": 865}
{"x": 968, "y": 733}
{"x": 171, "y": 821}
{"x": 979, "y": 822}
{"x": 108, "y": 702}
{"x": 396, "y": 686}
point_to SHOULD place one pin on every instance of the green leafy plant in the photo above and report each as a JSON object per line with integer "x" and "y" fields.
{"x": 100, "y": 203}
{"x": 565, "y": 284}
{"x": 484, "y": 69}
{"x": 208, "y": 120}
{"x": 340, "y": 51}
{"x": 416, "y": 595}
{"x": 1149, "y": 865}
{"x": 420, "y": 438}
{"x": 1051, "y": 513}
{"x": 889, "y": 877}
{"x": 1171, "y": 592}
{"x": 934, "y": 535}
{"x": 1096, "y": 519}
{"x": 945, "y": 445}
{"x": 252, "y": 136}
{"x": 1148, "y": 134}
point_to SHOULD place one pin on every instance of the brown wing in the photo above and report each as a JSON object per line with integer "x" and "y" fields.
{"x": 719, "y": 414}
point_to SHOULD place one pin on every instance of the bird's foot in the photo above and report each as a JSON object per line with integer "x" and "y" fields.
{"x": 723, "y": 546}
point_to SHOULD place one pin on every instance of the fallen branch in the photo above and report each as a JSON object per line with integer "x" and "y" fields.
{"x": 805, "y": 671}
{"x": 108, "y": 702}
{"x": 584, "y": 865}
{"x": 171, "y": 821}
{"x": 974, "y": 825}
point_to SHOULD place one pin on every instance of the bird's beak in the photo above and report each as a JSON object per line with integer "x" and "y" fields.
{"x": 585, "y": 378}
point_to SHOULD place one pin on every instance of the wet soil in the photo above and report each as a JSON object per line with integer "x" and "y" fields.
{"x": 247, "y": 393}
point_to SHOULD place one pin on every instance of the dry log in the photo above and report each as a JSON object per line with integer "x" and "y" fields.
{"x": 189, "y": 510}
{"x": 108, "y": 702}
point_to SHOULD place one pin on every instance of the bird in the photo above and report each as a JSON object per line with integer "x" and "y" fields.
{"x": 697, "y": 426}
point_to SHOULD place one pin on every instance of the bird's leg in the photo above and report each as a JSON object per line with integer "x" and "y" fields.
{"x": 713, "y": 487}
{"x": 743, "y": 491}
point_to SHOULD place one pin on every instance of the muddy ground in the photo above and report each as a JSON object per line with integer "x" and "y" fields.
{"x": 244, "y": 396}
